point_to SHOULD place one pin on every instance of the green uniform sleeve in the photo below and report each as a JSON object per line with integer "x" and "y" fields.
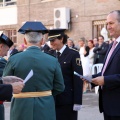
{"x": 8, "y": 70}
{"x": 58, "y": 85}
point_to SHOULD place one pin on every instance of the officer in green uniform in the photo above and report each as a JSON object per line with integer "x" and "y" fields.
{"x": 5, "y": 90}
{"x": 5, "y": 44}
{"x": 36, "y": 101}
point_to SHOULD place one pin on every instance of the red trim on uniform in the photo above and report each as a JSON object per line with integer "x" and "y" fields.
{"x": 1, "y": 102}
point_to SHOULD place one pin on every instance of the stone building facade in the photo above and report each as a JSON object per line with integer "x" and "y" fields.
{"x": 87, "y": 17}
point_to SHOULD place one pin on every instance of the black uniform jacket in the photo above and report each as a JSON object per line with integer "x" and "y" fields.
{"x": 70, "y": 62}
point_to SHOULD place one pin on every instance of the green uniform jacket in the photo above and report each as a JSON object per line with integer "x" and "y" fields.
{"x": 47, "y": 76}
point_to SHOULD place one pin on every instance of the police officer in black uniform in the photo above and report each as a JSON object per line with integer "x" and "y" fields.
{"x": 69, "y": 102}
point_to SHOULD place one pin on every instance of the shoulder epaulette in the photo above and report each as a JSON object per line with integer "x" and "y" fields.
{"x": 74, "y": 49}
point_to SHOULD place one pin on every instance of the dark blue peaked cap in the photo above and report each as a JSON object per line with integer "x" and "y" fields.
{"x": 54, "y": 33}
{"x": 4, "y": 39}
{"x": 33, "y": 26}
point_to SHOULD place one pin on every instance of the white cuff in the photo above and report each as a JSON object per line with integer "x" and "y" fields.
{"x": 77, "y": 107}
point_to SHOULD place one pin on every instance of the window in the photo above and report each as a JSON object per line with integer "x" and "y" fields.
{"x": 7, "y": 2}
{"x": 12, "y": 34}
{"x": 97, "y": 27}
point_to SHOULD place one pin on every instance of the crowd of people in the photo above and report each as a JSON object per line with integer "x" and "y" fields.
{"x": 91, "y": 52}
{"x": 54, "y": 92}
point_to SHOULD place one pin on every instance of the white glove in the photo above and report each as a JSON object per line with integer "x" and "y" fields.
{"x": 77, "y": 107}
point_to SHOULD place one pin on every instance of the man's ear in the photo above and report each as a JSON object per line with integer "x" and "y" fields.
{"x": 25, "y": 41}
{"x": 41, "y": 42}
{"x": 1, "y": 45}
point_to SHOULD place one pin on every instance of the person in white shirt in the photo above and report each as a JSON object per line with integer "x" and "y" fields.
{"x": 91, "y": 54}
{"x": 84, "y": 52}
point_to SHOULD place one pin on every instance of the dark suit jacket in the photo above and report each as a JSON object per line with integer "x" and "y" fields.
{"x": 69, "y": 61}
{"x": 100, "y": 53}
{"x": 5, "y": 92}
{"x": 14, "y": 51}
{"x": 46, "y": 48}
{"x": 109, "y": 95}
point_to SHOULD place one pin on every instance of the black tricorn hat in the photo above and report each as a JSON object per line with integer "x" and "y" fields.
{"x": 33, "y": 26}
{"x": 4, "y": 39}
{"x": 54, "y": 33}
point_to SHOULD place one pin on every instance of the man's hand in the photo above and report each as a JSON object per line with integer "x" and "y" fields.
{"x": 87, "y": 78}
{"x": 98, "y": 80}
{"x": 17, "y": 87}
{"x": 11, "y": 79}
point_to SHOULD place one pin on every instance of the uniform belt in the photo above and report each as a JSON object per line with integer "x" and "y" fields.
{"x": 32, "y": 94}
{"x": 1, "y": 102}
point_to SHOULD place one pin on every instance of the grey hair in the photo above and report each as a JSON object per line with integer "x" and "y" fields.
{"x": 70, "y": 39}
{"x": 82, "y": 39}
{"x": 33, "y": 37}
{"x": 118, "y": 13}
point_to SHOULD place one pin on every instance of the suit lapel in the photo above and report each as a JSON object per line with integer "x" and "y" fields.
{"x": 107, "y": 53}
{"x": 113, "y": 54}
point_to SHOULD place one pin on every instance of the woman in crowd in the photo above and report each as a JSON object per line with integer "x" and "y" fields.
{"x": 91, "y": 54}
{"x": 84, "y": 52}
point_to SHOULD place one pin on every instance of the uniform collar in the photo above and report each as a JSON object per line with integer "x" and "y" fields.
{"x": 33, "y": 47}
{"x": 62, "y": 49}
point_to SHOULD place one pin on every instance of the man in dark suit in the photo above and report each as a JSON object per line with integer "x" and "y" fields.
{"x": 100, "y": 50}
{"x": 69, "y": 102}
{"x": 109, "y": 78}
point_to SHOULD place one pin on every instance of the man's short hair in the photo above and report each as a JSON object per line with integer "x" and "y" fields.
{"x": 33, "y": 37}
{"x": 82, "y": 39}
{"x": 101, "y": 37}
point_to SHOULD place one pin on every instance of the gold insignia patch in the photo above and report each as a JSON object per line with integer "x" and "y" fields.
{"x": 78, "y": 61}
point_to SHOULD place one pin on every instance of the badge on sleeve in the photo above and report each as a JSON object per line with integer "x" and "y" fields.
{"x": 78, "y": 61}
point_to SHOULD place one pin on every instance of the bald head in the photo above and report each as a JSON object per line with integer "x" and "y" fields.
{"x": 113, "y": 23}
{"x": 117, "y": 12}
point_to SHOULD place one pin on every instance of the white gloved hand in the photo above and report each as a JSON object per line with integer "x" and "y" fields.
{"x": 77, "y": 107}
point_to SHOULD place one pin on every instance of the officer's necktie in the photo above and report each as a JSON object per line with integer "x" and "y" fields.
{"x": 58, "y": 54}
{"x": 109, "y": 55}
